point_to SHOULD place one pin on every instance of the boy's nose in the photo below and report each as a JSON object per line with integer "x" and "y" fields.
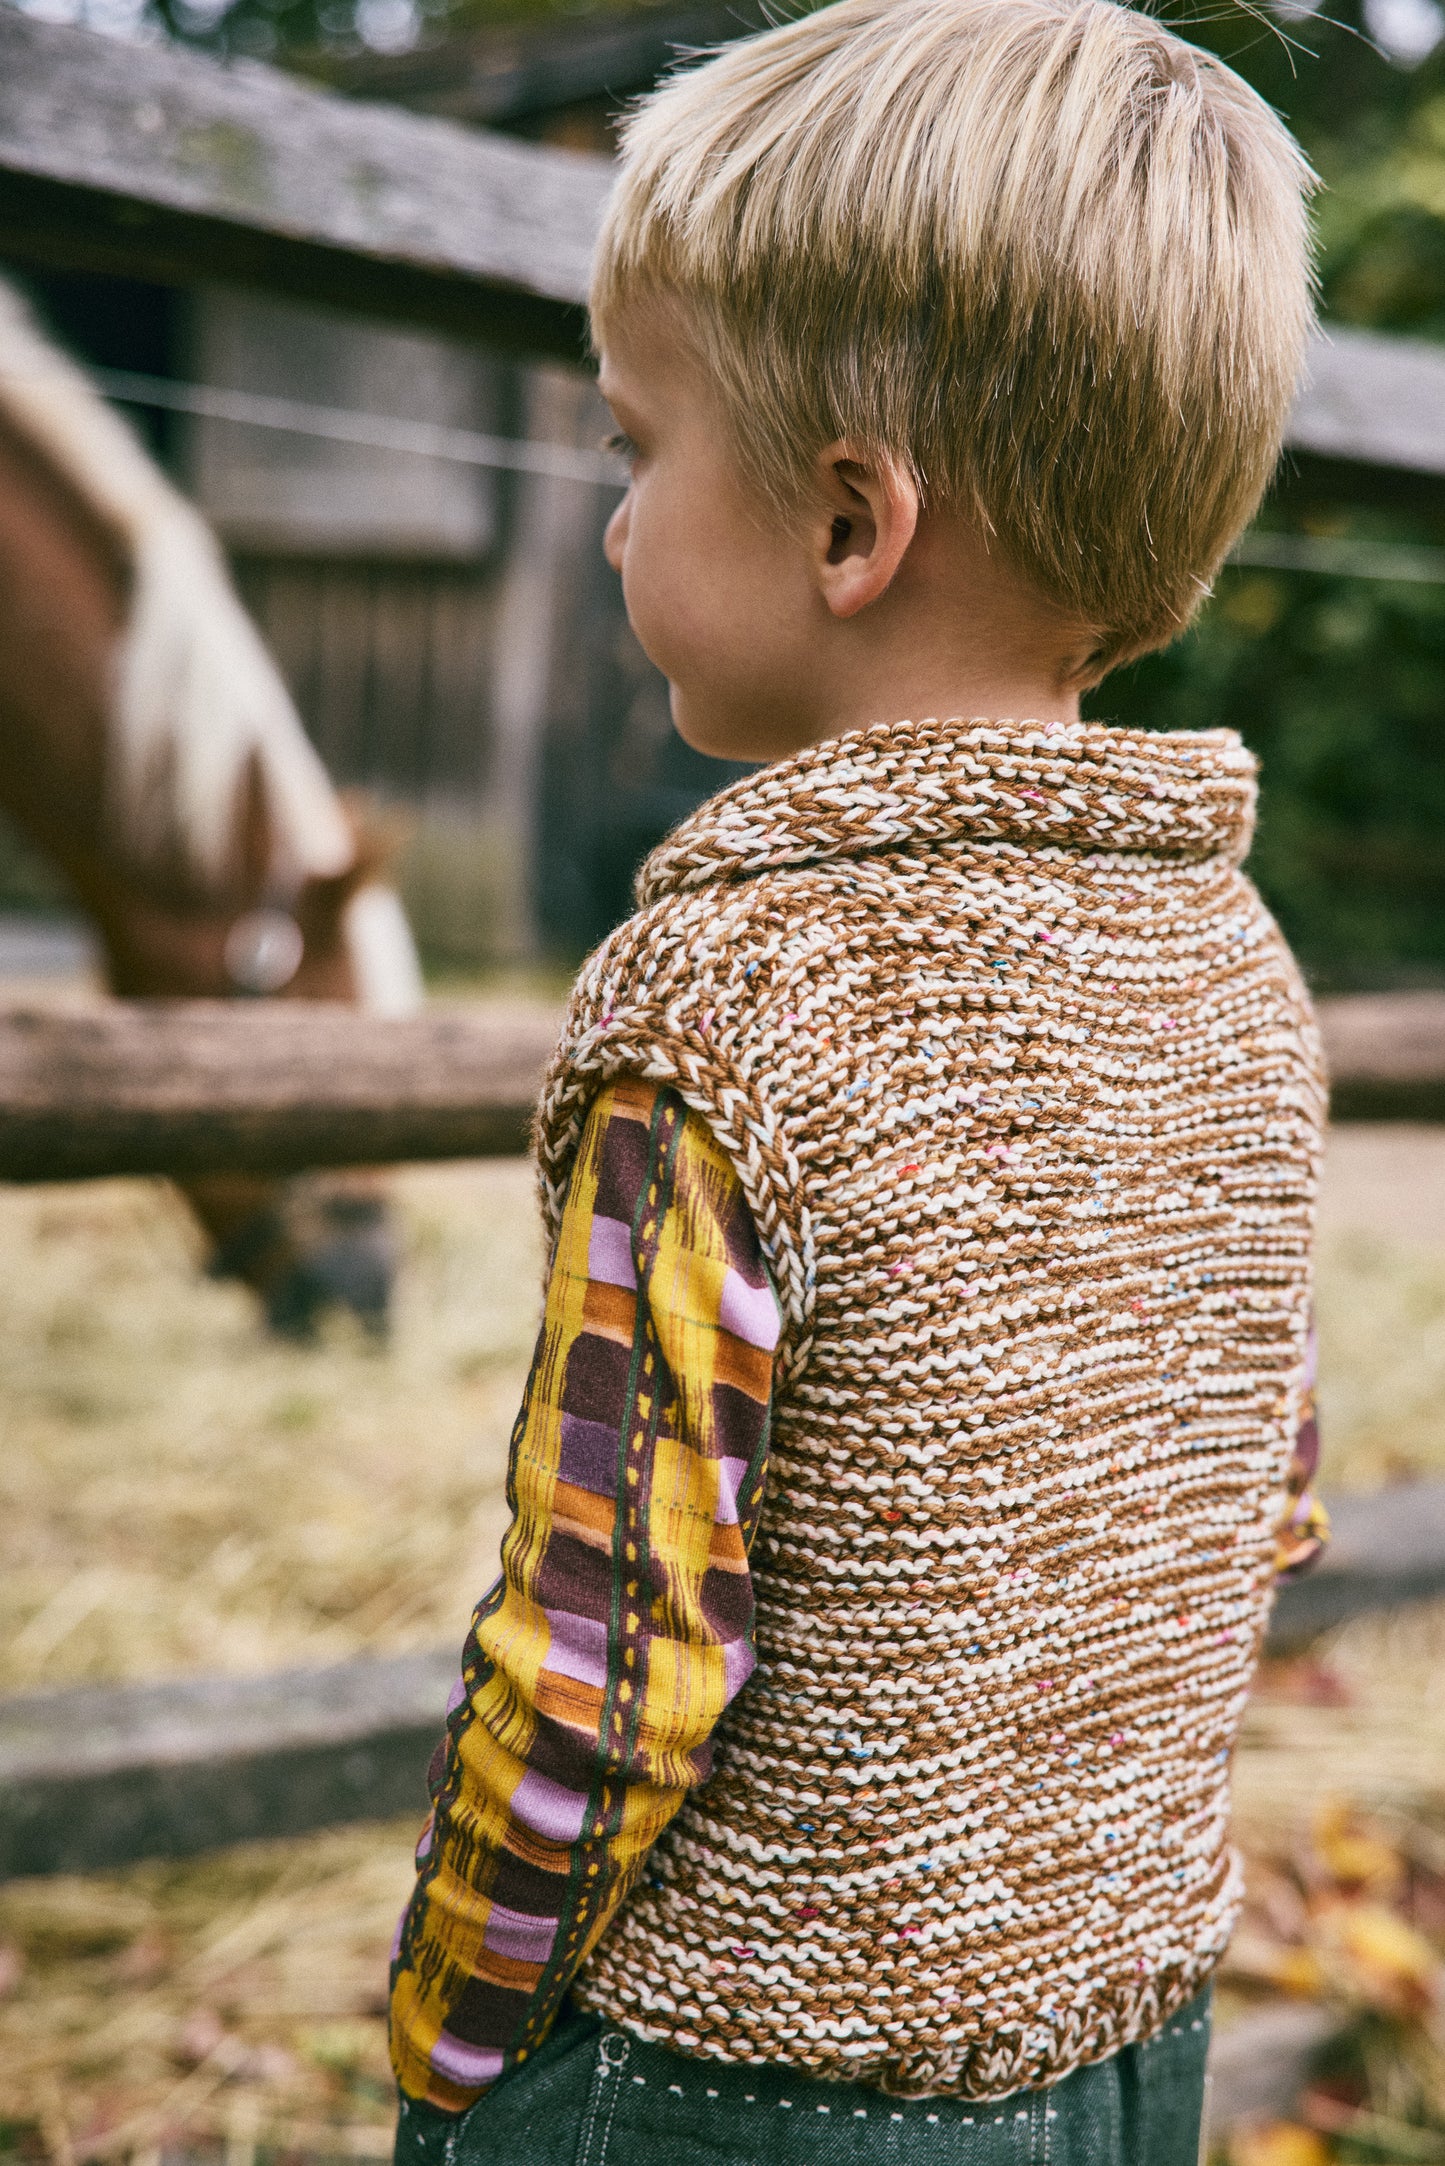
{"x": 614, "y": 541}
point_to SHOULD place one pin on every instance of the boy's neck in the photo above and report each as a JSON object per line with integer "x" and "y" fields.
{"x": 926, "y": 664}
{"x": 958, "y": 632}
{"x": 910, "y": 663}
{"x": 907, "y": 681}
{"x": 999, "y": 694}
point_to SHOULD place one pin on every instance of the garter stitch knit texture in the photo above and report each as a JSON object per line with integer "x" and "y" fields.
{"x": 1024, "y": 1090}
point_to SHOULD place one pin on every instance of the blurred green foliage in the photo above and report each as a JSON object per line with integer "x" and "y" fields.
{"x": 1339, "y": 684}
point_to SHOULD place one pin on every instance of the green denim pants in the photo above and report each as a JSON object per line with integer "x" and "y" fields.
{"x": 594, "y": 2096}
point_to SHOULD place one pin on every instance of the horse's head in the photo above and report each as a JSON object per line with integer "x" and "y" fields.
{"x": 245, "y": 932}
{"x": 322, "y": 1241}
{"x": 155, "y": 755}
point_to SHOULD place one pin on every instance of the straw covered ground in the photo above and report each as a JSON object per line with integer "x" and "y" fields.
{"x": 178, "y": 1493}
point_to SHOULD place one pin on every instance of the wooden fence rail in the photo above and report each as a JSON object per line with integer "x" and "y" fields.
{"x": 192, "y": 1087}
{"x": 1386, "y": 1055}
{"x": 99, "y": 1775}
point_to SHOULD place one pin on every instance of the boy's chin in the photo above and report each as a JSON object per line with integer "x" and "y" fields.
{"x": 704, "y": 730}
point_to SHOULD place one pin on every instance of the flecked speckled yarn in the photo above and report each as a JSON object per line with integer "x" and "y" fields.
{"x": 1024, "y": 1090}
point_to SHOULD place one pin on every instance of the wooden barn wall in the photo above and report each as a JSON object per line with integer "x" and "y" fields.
{"x": 389, "y": 665}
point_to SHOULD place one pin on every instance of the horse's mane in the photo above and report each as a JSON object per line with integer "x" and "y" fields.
{"x": 199, "y": 708}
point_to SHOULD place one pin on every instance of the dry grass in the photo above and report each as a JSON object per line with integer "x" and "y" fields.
{"x": 242, "y": 1991}
{"x": 1378, "y": 1738}
{"x": 178, "y": 1493}
{"x": 1382, "y": 1306}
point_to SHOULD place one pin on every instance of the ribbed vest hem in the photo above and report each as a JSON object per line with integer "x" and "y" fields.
{"x": 983, "y": 2069}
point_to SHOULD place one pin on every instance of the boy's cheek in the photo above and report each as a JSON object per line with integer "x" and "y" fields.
{"x": 663, "y": 608}
{"x": 649, "y": 624}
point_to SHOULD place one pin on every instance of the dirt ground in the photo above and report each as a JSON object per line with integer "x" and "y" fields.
{"x": 179, "y": 1493}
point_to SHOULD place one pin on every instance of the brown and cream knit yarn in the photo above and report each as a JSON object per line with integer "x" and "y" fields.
{"x": 1024, "y": 1090}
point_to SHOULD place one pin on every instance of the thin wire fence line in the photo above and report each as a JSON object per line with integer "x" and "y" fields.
{"x": 1335, "y": 556}
{"x": 372, "y": 432}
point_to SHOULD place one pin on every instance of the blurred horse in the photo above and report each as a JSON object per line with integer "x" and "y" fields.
{"x": 149, "y": 749}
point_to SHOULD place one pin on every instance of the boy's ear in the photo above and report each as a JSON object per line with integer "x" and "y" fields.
{"x": 866, "y": 514}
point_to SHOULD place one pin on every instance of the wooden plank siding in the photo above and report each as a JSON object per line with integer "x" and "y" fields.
{"x": 391, "y": 666}
{"x": 156, "y": 163}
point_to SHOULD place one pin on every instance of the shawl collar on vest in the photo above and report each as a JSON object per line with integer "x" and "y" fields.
{"x": 1081, "y": 786}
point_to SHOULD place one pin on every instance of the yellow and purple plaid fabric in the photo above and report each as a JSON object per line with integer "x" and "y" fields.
{"x": 1304, "y": 1530}
{"x": 621, "y": 1626}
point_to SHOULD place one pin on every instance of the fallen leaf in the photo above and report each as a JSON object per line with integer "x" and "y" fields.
{"x": 1276, "y": 2143}
{"x": 1301, "y": 1681}
{"x": 1379, "y": 1959}
{"x": 199, "y": 2037}
{"x": 1261, "y": 1959}
{"x": 1353, "y": 1854}
{"x": 148, "y": 1957}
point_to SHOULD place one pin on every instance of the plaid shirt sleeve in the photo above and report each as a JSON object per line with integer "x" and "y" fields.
{"x": 620, "y": 1627}
{"x": 1303, "y": 1530}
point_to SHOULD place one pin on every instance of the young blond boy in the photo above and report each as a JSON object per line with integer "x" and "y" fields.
{"x": 930, "y": 1162}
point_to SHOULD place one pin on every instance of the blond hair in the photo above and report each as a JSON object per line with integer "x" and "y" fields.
{"x": 1043, "y": 252}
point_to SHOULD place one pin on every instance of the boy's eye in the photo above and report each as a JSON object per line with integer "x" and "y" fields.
{"x": 620, "y": 444}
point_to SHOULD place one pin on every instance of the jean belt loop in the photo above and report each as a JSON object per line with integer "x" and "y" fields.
{"x": 613, "y": 2049}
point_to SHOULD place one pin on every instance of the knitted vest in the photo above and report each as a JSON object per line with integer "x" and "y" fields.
{"x": 1023, "y": 1088}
